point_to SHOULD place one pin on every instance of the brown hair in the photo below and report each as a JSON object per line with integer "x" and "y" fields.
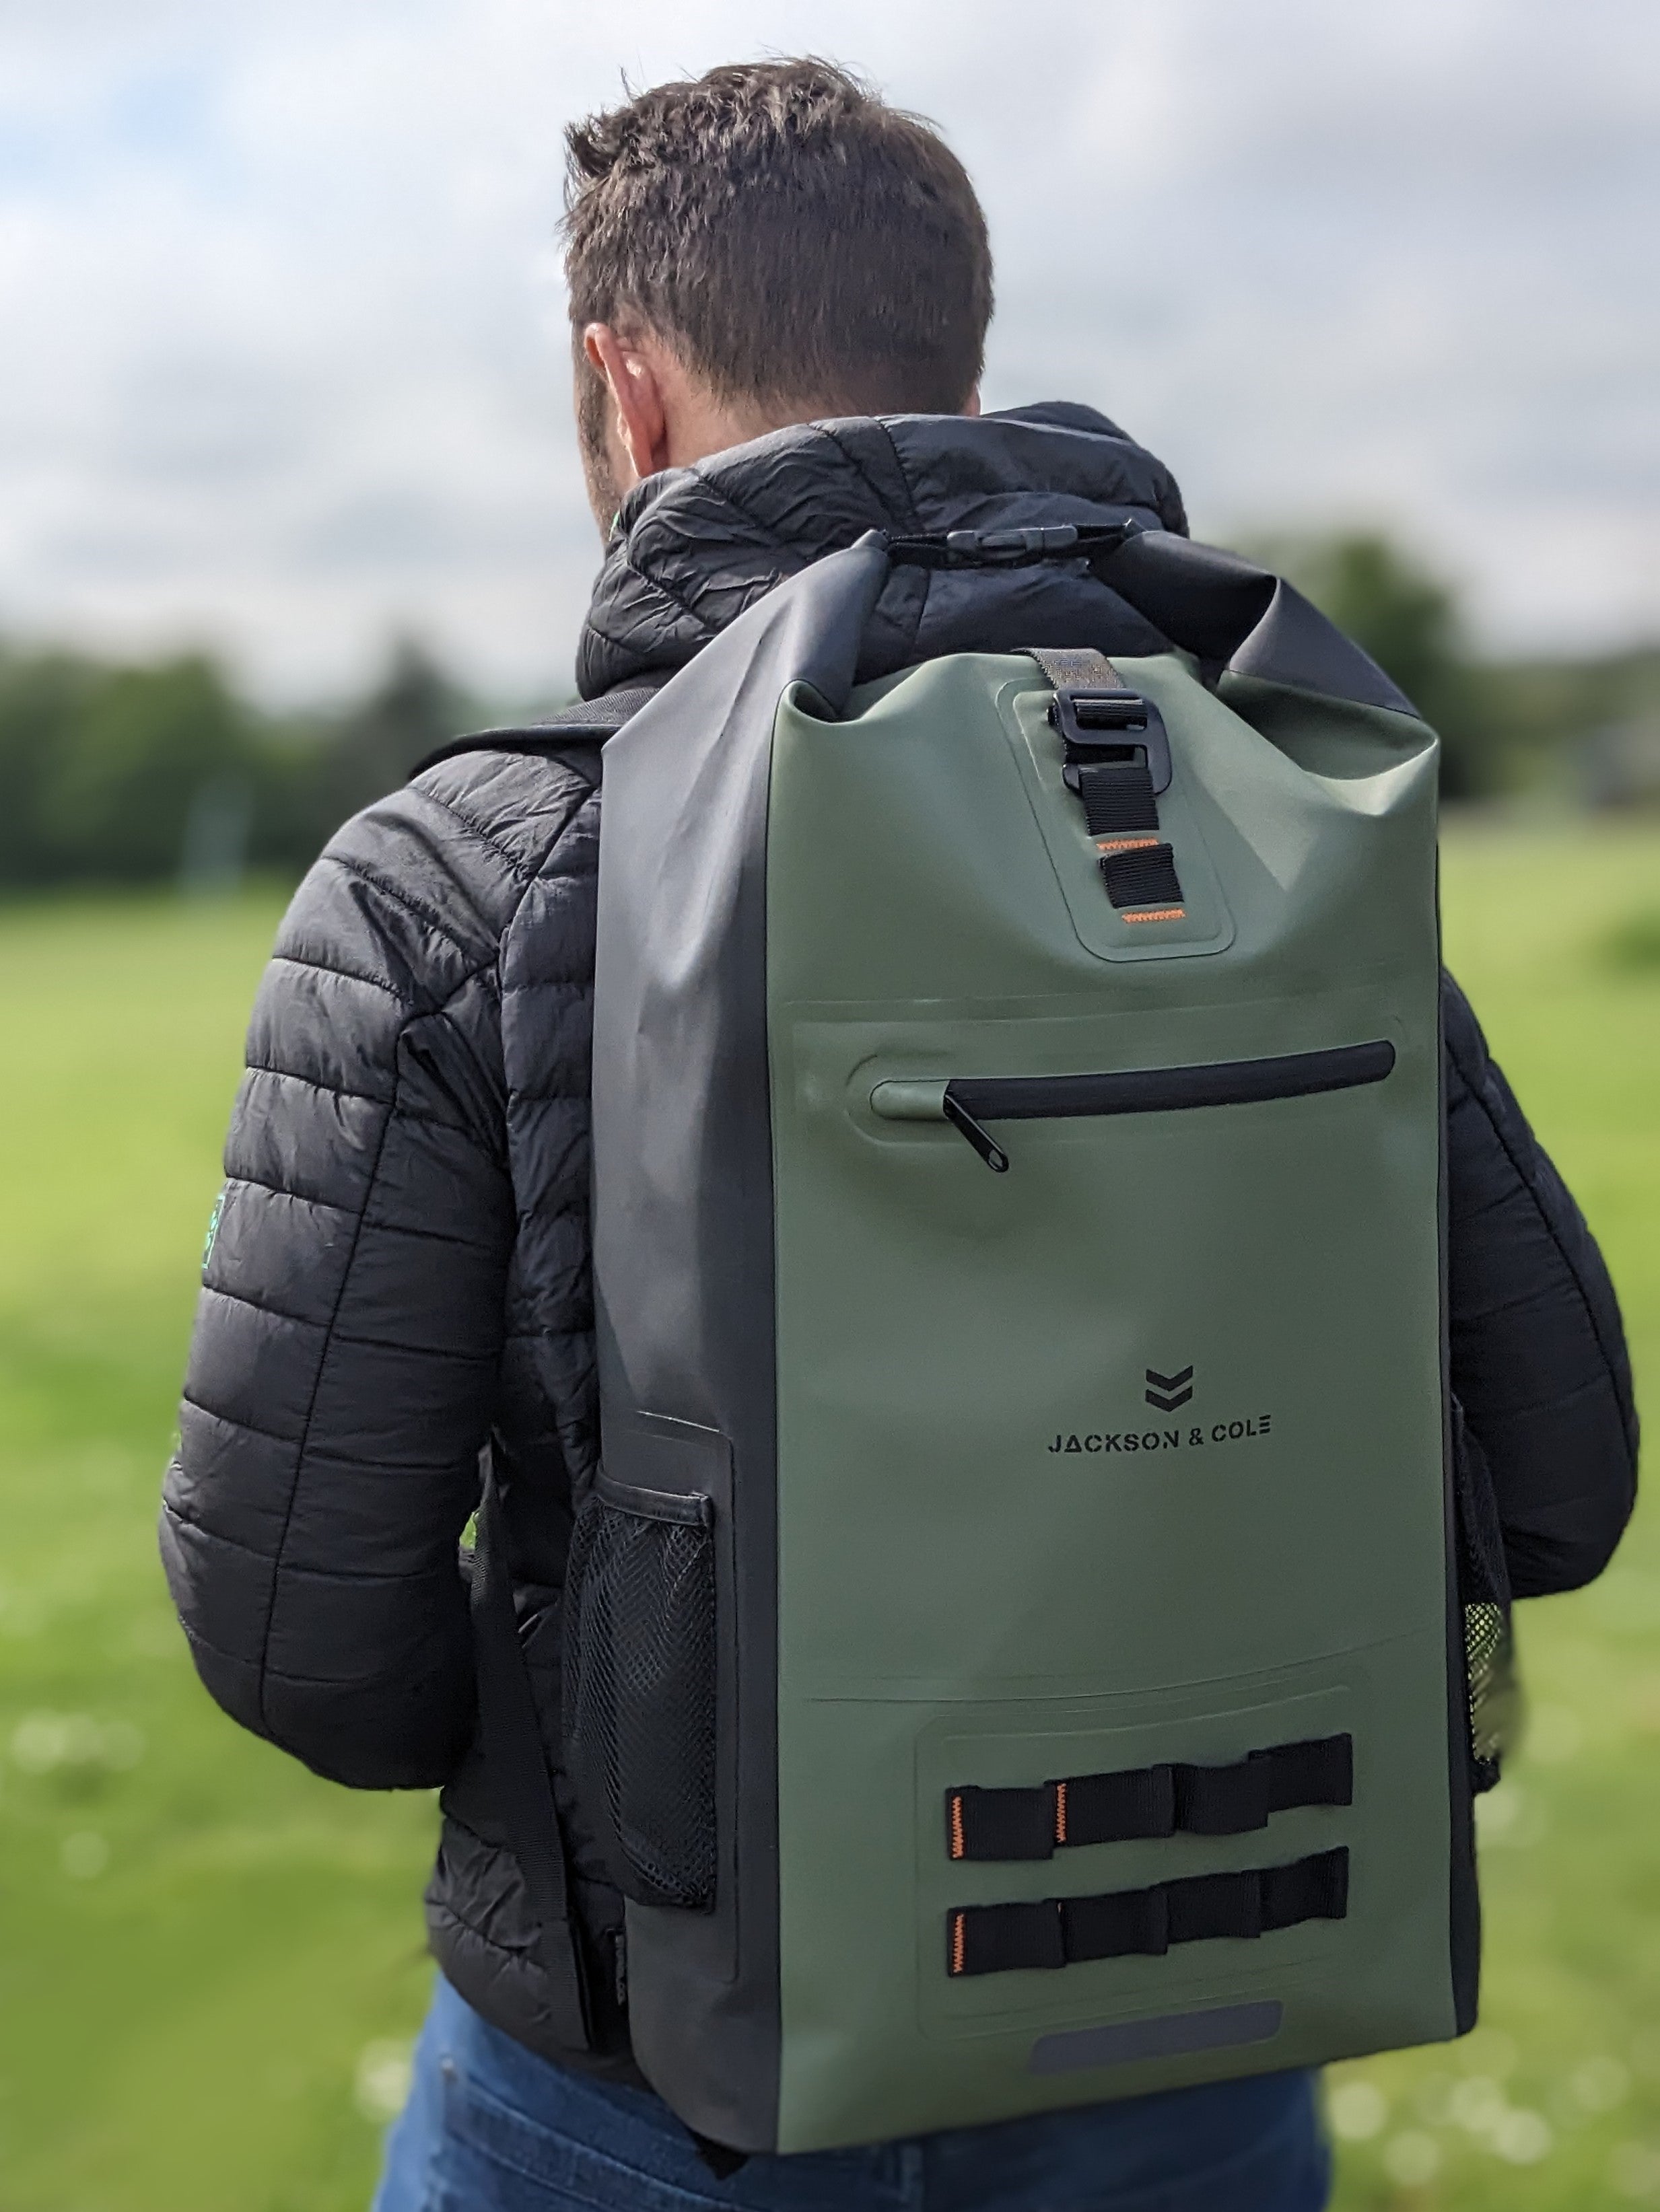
{"x": 795, "y": 240}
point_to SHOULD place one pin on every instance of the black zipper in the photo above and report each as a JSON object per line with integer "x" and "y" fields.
{"x": 970, "y": 1099}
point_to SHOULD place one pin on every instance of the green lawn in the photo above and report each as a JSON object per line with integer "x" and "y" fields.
{"x": 200, "y": 1945}
{"x": 209, "y": 1962}
{"x": 1554, "y": 2101}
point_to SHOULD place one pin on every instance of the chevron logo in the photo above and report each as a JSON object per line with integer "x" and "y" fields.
{"x": 1167, "y": 1392}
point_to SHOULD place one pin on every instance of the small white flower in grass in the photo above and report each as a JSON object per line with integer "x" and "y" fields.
{"x": 1522, "y": 2137}
{"x": 1429, "y": 2099}
{"x": 1635, "y": 2171}
{"x": 1476, "y": 2105}
{"x": 1358, "y": 2110}
{"x": 83, "y": 1856}
{"x": 1508, "y": 1818}
{"x": 382, "y": 2082}
{"x": 1412, "y": 2158}
{"x": 1600, "y": 2083}
{"x": 42, "y": 1743}
{"x": 1495, "y": 1811}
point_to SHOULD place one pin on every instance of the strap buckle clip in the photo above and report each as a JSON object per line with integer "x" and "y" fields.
{"x": 1096, "y": 724}
{"x": 1011, "y": 547}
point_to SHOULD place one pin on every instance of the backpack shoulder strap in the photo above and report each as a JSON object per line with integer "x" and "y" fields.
{"x": 573, "y": 736}
{"x": 521, "y": 1788}
{"x": 515, "y": 1758}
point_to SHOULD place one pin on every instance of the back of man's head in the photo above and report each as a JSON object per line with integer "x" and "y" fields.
{"x": 804, "y": 248}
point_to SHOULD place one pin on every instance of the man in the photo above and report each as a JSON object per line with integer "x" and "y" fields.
{"x": 780, "y": 289}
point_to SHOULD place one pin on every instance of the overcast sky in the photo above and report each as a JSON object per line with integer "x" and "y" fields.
{"x": 282, "y": 333}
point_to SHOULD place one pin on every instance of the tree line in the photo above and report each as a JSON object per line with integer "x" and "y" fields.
{"x": 135, "y": 773}
{"x": 123, "y": 772}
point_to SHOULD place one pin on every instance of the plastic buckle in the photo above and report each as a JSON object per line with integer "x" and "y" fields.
{"x": 1011, "y": 547}
{"x": 1101, "y": 723}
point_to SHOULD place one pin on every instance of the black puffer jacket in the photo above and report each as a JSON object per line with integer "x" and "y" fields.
{"x": 400, "y": 1264}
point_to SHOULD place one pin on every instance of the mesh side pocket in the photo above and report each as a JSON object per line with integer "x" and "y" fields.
{"x": 639, "y": 1688}
{"x": 1490, "y": 1672}
{"x": 1495, "y": 1691}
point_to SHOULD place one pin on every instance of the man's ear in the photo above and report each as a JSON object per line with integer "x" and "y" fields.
{"x": 640, "y": 424}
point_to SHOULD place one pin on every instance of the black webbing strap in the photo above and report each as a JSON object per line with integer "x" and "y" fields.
{"x": 1149, "y": 1800}
{"x": 1118, "y": 797}
{"x": 1064, "y": 1931}
{"x": 517, "y": 1771}
{"x": 1144, "y": 876}
{"x": 1103, "y": 723}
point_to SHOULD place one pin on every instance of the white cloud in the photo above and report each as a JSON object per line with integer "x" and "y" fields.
{"x": 284, "y": 358}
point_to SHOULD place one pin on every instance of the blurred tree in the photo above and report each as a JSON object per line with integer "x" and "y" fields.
{"x": 313, "y": 772}
{"x": 1409, "y": 621}
{"x": 139, "y": 774}
{"x": 116, "y": 789}
{"x": 292, "y": 817}
{"x": 414, "y": 708}
{"x": 43, "y": 696}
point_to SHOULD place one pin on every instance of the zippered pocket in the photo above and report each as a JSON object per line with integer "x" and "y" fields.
{"x": 967, "y": 1102}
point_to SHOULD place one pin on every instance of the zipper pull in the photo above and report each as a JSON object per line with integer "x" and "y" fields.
{"x": 983, "y": 1142}
{"x": 907, "y": 1101}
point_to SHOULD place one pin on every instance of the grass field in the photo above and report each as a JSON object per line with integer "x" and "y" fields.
{"x": 210, "y": 1963}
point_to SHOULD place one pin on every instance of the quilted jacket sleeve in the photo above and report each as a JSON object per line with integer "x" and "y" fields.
{"x": 1539, "y": 1358}
{"x": 344, "y": 1359}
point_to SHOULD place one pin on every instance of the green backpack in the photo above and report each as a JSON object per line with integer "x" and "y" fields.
{"x": 1014, "y": 1650}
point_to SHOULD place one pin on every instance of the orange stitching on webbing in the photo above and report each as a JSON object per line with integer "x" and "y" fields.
{"x": 958, "y": 1941}
{"x": 1059, "y": 1812}
{"x": 1161, "y": 914}
{"x": 1124, "y": 844}
{"x": 957, "y": 1845}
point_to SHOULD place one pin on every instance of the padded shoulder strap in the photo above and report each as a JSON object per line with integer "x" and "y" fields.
{"x": 514, "y": 1758}
{"x": 522, "y": 1788}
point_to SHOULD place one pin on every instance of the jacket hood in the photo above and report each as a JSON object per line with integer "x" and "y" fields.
{"x": 693, "y": 547}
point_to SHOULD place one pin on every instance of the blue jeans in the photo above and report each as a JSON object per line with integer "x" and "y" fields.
{"x": 491, "y": 2128}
